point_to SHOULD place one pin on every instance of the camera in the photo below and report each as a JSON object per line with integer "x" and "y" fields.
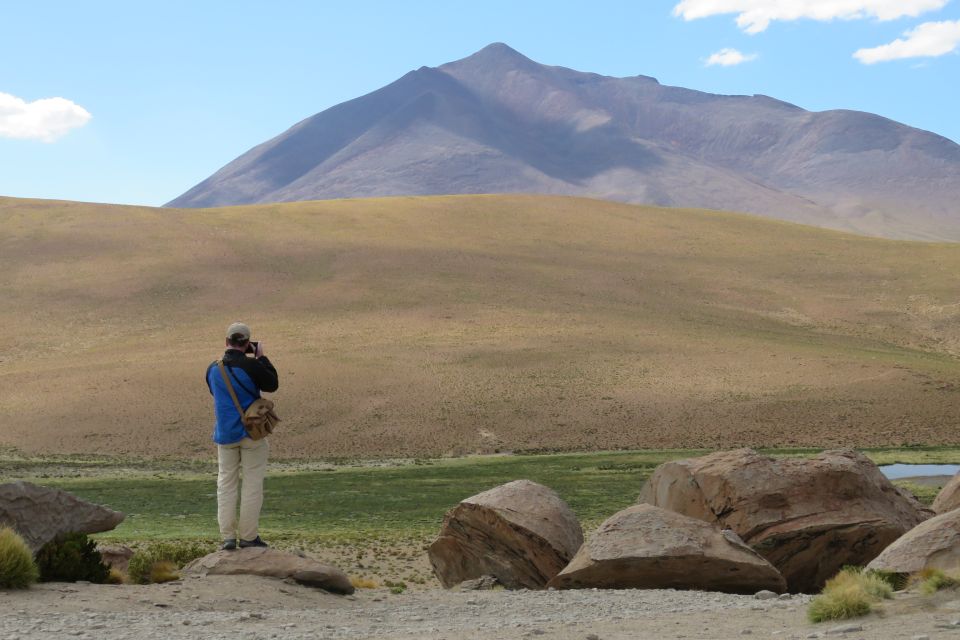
{"x": 252, "y": 347}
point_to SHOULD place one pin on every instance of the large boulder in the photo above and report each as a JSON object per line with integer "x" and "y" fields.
{"x": 808, "y": 516}
{"x": 271, "y": 563}
{"x": 522, "y": 533}
{"x": 40, "y": 514}
{"x": 949, "y": 497}
{"x": 646, "y": 547}
{"x": 934, "y": 544}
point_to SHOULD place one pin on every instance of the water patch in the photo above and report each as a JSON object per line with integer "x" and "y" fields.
{"x": 897, "y": 471}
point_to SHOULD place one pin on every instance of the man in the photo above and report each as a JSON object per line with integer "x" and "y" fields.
{"x": 235, "y": 451}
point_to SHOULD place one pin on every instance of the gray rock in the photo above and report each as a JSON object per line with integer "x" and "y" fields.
{"x": 40, "y": 514}
{"x": 949, "y": 497}
{"x": 521, "y": 532}
{"x": 251, "y": 615}
{"x": 845, "y": 628}
{"x": 646, "y": 547}
{"x": 765, "y": 595}
{"x": 807, "y": 516}
{"x": 934, "y": 544}
{"x": 271, "y": 563}
{"x": 483, "y": 583}
{"x": 116, "y": 556}
{"x": 321, "y": 577}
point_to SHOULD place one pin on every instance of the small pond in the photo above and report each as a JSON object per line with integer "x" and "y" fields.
{"x": 896, "y": 471}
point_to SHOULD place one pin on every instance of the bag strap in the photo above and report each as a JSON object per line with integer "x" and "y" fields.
{"x": 233, "y": 394}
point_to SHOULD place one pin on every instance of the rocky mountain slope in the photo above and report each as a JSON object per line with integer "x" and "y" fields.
{"x": 497, "y": 122}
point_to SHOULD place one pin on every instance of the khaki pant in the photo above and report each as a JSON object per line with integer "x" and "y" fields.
{"x": 251, "y": 457}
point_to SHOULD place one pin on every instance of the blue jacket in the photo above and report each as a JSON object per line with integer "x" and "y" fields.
{"x": 249, "y": 377}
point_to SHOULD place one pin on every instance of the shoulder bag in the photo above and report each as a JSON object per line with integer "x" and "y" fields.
{"x": 259, "y": 419}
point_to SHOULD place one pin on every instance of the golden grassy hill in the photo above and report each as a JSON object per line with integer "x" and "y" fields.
{"x": 434, "y": 325}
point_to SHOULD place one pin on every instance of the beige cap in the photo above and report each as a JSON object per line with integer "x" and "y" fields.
{"x": 238, "y": 328}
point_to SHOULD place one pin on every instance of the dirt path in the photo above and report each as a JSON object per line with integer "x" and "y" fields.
{"x": 257, "y": 608}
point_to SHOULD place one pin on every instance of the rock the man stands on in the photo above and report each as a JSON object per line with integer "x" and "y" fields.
{"x": 235, "y": 451}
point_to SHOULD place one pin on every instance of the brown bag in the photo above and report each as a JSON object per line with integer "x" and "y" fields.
{"x": 259, "y": 419}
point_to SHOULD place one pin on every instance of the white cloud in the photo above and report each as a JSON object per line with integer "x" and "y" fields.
{"x": 929, "y": 40}
{"x": 729, "y": 58}
{"x": 46, "y": 119}
{"x": 754, "y": 16}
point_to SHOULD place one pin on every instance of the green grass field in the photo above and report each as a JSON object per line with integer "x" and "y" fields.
{"x": 325, "y": 504}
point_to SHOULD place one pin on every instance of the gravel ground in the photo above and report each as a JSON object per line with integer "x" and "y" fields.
{"x": 253, "y": 608}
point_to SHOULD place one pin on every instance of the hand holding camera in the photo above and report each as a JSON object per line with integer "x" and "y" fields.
{"x": 255, "y": 348}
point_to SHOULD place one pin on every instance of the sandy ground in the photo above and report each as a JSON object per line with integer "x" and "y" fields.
{"x": 254, "y": 608}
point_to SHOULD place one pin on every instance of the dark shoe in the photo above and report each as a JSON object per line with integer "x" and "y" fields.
{"x": 229, "y": 545}
{"x": 256, "y": 542}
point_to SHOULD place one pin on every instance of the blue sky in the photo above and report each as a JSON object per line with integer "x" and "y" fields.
{"x": 157, "y": 96}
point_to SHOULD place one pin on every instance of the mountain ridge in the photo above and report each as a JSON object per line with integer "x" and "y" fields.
{"x": 498, "y": 122}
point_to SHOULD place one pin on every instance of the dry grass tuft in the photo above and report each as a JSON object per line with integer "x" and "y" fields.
{"x": 175, "y": 554}
{"x": 363, "y": 582}
{"x": 849, "y": 594}
{"x": 116, "y": 577}
{"x": 164, "y": 571}
{"x": 933, "y": 580}
{"x": 17, "y": 568}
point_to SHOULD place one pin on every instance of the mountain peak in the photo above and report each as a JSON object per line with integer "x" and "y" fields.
{"x": 495, "y": 56}
{"x": 499, "y": 50}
